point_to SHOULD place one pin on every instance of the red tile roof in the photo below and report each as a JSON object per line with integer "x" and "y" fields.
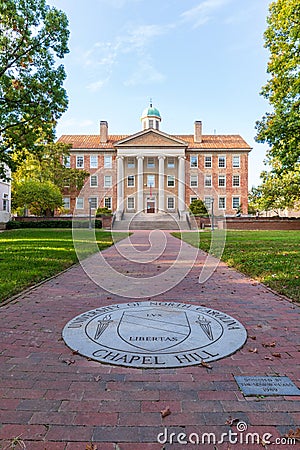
{"x": 226, "y": 142}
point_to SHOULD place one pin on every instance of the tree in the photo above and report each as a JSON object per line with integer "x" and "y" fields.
{"x": 47, "y": 164}
{"x": 41, "y": 198}
{"x": 280, "y": 128}
{"x": 198, "y": 208}
{"x": 276, "y": 192}
{"x": 32, "y": 97}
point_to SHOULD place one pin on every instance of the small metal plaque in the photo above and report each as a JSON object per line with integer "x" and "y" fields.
{"x": 154, "y": 334}
{"x": 267, "y": 386}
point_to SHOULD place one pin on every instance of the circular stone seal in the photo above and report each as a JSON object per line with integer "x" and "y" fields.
{"x": 154, "y": 334}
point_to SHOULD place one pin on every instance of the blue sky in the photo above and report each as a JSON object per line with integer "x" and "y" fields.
{"x": 197, "y": 59}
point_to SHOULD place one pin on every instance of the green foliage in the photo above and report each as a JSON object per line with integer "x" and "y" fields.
{"x": 32, "y": 98}
{"x": 15, "y": 224}
{"x": 104, "y": 211}
{"x": 198, "y": 208}
{"x": 41, "y": 198}
{"x": 276, "y": 192}
{"x": 280, "y": 128}
{"x": 47, "y": 164}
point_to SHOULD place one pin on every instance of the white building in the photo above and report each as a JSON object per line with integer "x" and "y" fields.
{"x": 5, "y": 199}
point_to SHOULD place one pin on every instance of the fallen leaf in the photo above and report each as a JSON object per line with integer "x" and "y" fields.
{"x": 277, "y": 355}
{"x": 269, "y": 344}
{"x": 294, "y": 434}
{"x": 69, "y": 361}
{"x": 205, "y": 364}
{"x": 259, "y": 326}
{"x": 165, "y": 412}
{"x": 90, "y": 446}
{"x": 253, "y": 338}
{"x": 263, "y": 443}
{"x": 231, "y": 421}
{"x": 75, "y": 352}
{"x": 253, "y": 350}
{"x": 98, "y": 378}
{"x": 269, "y": 358}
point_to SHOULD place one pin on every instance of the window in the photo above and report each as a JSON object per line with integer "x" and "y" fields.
{"x": 236, "y": 161}
{"x": 236, "y": 180}
{"x": 222, "y": 181}
{"x": 194, "y": 161}
{"x": 171, "y": 203}
{"x": 5, "y": 204}
{"x": 130, "y": 202}
{"x": 171, "y": 181}
{"x": 157, "y": 124}
{"x": 208, "y": 162}
{"x": 93, "y": 161}
{"x": 67, "y": 161}
{"x": 192, "y": 199}
{"x": 235, "y": 202}
{"x": 171, "y": 162}
{"x": 150, "y": 162}
{"x": 93, "y": 201}
{"x": 150, "y": 180}
{"x": 107, "y": 202}
{"x": 107, "y": 181}
{"x": 207, "y": 181}
{"x": 79, "y": 203}
{"x": 94, "y": 181}
{"x": 130, "y": 181}
{"x": 107, "y": 161}
{"x": 207, "y": 202}
{"x": 222, "y": 161}
{"x": 131, "y": 163}
{"x": 194, "y": 181}
{"x": 79, "y": 162}
{"x": 150, "y": 123}
{"x": 222, "y": 202}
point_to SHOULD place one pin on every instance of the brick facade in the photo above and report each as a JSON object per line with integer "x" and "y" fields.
{"x": 219, "y": 160}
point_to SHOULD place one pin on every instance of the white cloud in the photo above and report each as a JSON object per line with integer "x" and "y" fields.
{"x": 139, "y": 37}
{"x": 145, "y": 73}
{"x": 103, "y": 58}
{"x": 97, "y": 85}
{"x": 118, "y": 3}
{"x": 202, "y": 13}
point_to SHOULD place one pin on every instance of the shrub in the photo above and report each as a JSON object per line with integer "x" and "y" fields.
{"x": 104, "y": 211}
{"x": 14, "y": 224}
{"x": 198, "y": 208}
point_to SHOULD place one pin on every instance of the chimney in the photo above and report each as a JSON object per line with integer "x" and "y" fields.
{"x": 103, "y": 131}
{"x": 198, "y": 131}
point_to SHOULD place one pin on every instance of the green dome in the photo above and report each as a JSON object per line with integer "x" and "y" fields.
{"x": 151, "y": 112}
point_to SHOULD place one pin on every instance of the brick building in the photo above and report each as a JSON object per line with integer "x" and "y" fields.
{"x": 152, "y": 171}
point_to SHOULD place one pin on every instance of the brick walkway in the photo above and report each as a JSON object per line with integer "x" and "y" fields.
{"x": 57, "y": 400}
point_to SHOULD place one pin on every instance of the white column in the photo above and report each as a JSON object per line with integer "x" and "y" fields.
{"x": 181, "y": 183}
{"x": 120, "y": 183}
{"x": 161, "y": 183}
{"x": 140, "y": 183}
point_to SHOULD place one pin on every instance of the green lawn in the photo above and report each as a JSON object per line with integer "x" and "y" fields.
{"x": 28, "y": 256}
{"x": 272, "y": 257}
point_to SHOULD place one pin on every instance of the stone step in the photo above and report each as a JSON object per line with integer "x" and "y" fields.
{"x": 150, "y": 225}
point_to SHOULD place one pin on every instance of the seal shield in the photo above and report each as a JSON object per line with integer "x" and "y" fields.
{"x": 153, "y": 330}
